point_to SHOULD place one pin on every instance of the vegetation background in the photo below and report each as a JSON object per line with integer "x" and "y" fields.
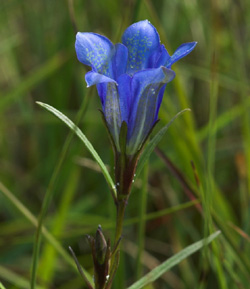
{"x": 173, "y": 203}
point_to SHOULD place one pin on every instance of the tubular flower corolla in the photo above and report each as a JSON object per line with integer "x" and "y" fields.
{"x": 130, "y": 77}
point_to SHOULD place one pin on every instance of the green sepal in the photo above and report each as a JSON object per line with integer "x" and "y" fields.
{"x": 109, "y": 134}
{"x": 123, "y": 138}
{"x": 147, "y": 138}
{"x": 126, "y": 164}
{"x": 154, "y": 142}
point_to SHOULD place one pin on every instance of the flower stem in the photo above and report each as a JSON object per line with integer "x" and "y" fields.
{"x": 121, "y": 206}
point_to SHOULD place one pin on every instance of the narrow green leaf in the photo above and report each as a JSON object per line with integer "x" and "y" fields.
{"x": 224, "y": 119}
{"x": 80, "y": 269}
{"x": 171, "y": 262}
{"x": 123, "y": 137}
{"x": 32, "y": 219}
{"x": 154, "y": 142}
{"x": 92, "y": 220}
{"x": 1, "y": 286}
{"x": 83, "y": 138}
{"x": 15, "y": 279}
{"x": 48, "y": 261}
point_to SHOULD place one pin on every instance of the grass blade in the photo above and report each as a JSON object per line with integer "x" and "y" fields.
{"x": 171, "y": 262}
{"x": 34, "y": 78}
{"x": 80, "y": 269}
{"x": 142, "y": 221}
{"x": 32, "y": 219}
{"x": 83, "y": 138}
{"x": 49, "y": 258}
{"x": 1, "y": 286}
{"x": 14, "y": 278}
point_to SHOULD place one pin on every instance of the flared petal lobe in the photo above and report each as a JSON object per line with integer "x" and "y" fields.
{"x": 131, "y": 78}
{"x": 96, "y": 51}
{"x": 92, "y": 78}
{"x": 101, "y": 81}
{"x": 145, "y": 88}
{"x": 163, "y": 57}
{"x": 141, "y": 40}
{"x": 180, "y": 52}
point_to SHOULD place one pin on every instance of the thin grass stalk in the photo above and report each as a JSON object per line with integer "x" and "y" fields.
{"x": 1, "y": 286}
{"x": 210, "y": 186}
{"x": 190, "y": 133}
{"x": 48, "y": 196}
{"x": 240, "y": 52}
{"x": 34, "y": 78}
{"x": 142, "y": 222}
{"x": 47, "y": 268}
{"x": 15, "y": 279}
{"x": 32, "y": 219}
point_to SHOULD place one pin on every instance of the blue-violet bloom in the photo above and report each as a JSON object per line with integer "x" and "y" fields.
{"x": 131, "y": 78}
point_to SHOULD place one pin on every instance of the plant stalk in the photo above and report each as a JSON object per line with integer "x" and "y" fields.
{"x": 121, "y": 207}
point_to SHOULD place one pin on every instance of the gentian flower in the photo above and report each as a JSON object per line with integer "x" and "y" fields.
{"x": 131, "y": 78}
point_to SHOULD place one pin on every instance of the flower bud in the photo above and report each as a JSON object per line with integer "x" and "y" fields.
{"x": 100, "y": 246}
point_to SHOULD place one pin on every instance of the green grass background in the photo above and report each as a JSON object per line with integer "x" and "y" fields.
{"x": 38, "y": 63}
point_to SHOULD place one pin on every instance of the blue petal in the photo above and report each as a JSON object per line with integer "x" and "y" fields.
{"x": 146, "y": 87}
{"x": 163, "y": 57}
{"x": 180, "y": 52}
{"x": 142, "y": 40}
{"x": 152, "y": 60}
{"x": 96, "y": 51}
{"x": 112, "y": 111}
{"x": 120, "y": 60}
{"x": 124, "y": 90}
{"x": 102, "y": 91}
{"x": 92, "y": 78}
{"x": 159, "y": 101}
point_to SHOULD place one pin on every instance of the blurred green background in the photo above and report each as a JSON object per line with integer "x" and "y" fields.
{"x": 38, "y": 63}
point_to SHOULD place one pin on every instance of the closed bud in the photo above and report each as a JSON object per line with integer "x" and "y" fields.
{"x": 100, "y": 246}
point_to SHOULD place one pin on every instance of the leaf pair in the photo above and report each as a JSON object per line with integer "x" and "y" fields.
{"x": 144, "y": 157}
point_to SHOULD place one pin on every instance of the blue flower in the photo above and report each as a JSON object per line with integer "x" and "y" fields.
{"x": 131, "y": 78}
